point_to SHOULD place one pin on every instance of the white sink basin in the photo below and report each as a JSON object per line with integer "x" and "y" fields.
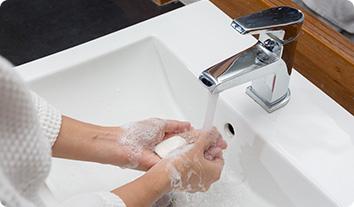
{"x": 301, "y": 155}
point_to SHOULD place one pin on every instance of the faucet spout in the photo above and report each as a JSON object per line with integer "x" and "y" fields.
{"x": 239, "y": 69}
{"x": 267, "y": 64}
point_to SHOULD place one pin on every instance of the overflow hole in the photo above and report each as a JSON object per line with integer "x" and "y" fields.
{"x": 229, "y": 129}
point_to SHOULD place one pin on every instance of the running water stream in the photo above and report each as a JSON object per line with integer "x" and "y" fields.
{"x": 210, "y": 112}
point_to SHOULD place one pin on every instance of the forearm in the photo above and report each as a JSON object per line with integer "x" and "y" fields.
{"x": 82, "y": 141}
{"x": 147, "y": 189}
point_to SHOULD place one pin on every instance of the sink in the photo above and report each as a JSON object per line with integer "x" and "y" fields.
{"x": 301, "y": 155}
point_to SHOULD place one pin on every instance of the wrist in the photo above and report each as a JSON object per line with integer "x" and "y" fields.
{"x": 158, "y": 179}
{"x": 107, "y": 133}
{"x": 107, "y": 150}
{"x": 147, "y": 189}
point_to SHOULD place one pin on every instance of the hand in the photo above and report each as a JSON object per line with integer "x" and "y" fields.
{"x": 140, "y": 138}
{"x": 187, "y": 169}
{"x": 215, "y": 150}
{"x": 196, "y": 166}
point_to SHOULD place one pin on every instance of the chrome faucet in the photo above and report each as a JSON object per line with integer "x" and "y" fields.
{"x": 268, "y": 63}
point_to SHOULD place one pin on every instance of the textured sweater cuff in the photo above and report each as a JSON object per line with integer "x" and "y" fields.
{"x": 49, "y": 118}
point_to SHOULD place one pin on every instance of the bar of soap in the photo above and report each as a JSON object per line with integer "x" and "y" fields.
{"x": 168, "y": 145}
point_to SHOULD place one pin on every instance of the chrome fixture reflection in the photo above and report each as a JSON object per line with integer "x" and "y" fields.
{"x": 268, "y": 63}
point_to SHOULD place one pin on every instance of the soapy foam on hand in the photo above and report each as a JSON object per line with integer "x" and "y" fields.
{"x": 176, "y": 179}
{"x": 140, "y": 136}
{"x": 175, "y": 148}
{"x": 226, "y": 192}
{"x": 145, "y": 135}
{"x": 230, "y": 190}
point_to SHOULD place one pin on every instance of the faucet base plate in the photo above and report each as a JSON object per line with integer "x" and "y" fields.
{"x": 269, "y": 107}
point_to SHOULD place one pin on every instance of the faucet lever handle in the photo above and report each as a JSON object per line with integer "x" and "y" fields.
{"x": 274, "y": 19}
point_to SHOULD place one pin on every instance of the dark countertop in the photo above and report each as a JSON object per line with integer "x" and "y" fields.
{"x": 31, "y": 29}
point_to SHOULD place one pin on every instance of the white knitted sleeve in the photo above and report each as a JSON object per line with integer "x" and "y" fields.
{"x": 49, "y": 118}
{"x": 101, "y": 199}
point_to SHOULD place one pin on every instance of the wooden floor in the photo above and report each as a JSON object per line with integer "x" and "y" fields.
{"x": 324, "y": 56}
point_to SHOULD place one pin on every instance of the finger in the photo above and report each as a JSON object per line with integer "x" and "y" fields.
{"x": 191, "y": 136}
{"x": 183, "y": 134}
{"x": 208, "y": 138}
{"x": 214, "y": 151}
{"x": 208, "y": 156}
{"x": 221, "y": 143}
{"x": 174, "y": 126}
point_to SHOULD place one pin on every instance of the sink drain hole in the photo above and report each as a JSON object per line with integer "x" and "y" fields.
{"x": 229, "y": 129}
